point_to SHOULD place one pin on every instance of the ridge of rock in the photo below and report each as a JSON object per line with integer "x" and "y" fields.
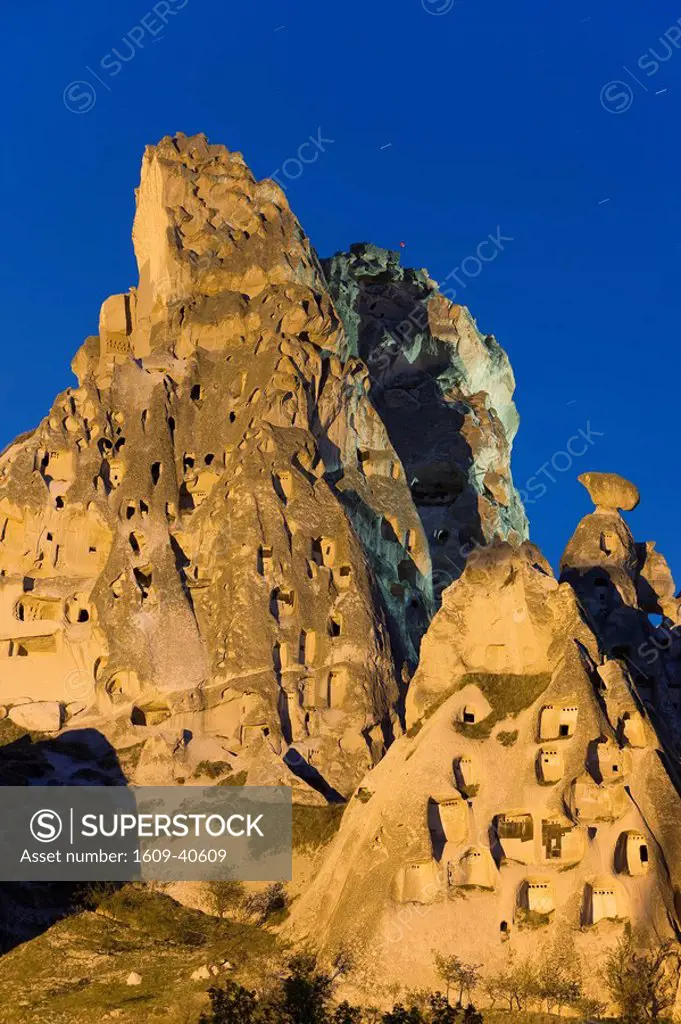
{"x": 214, "y": 546}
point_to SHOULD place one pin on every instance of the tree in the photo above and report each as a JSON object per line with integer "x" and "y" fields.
{"x": 591, "y": 1009}
{"x": 266, "y": 902}
{"x": 418, "y": 997}
{"x": 559, "y": 976}
{"x": 306, "y": 992}
{"x": 516, "y": 982}
{"x": 225, "y": 895}
{"x": 346, "y": 1014}
{"x": 471, "y": 1015}
{"x": 372, "y": 1015}
{"x": 441, "y": 1010}
{"x": 643, "y": 985}
{"x": 457, "y": 974}
{"x": 400, "y": 1015}
{"x": 232, "y": 1004}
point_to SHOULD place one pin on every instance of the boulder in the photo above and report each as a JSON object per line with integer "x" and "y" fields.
{"x": 39, "y": 716}
{"x": 201, "y": 973}
{"x": 610, "y": 491}
{"x": 133, "y": 978}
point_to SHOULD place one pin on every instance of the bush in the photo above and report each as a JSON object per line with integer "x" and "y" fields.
{"x": 401, "y": 1015}
{"x": 238, "y": 779}
{"x": 305, "y": 996}
{"x": 213, "y": 769}
{"x": 643, "y": 985}
{"x": 267, "y": 903}
{"x": 306, "y": 992}
{"x": 347, "y": 1014}
{"x": 225, "y": 895}
{"x": 507, "y": 739}
{"x": 232, "y": 1004}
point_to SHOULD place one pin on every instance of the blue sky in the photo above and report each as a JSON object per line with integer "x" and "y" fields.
{"x": 450, "y": 120}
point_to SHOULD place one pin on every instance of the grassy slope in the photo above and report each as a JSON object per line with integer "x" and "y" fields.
{"x": 76, "y": 972}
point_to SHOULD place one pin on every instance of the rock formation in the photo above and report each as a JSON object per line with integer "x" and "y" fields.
{"x": 445, "y": 394}
{"x": 620, "y": 583}
{"x": 228, "y": 552}
{"x": 215, "y": 545}
{"x": 531, "y": 798}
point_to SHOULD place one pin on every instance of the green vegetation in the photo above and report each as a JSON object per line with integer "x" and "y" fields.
{"x": 238, "y": 779}
{"x": 129, "y": 757}
{"x": 78, "y": 971}
{"x": 462, "y": 977}
{"x": 435, "y": 705}
{"x": 269, "y": 905}
{"x": 507, "y": 739}
{"x": 643, "y": 985}
{"x": 225, "y": 896}
{"x": 78, "y": 968}
{"x": 478, "y": 730}
{"x": 213, "y": 769}
{"x": 305, "y": 996}
{"x": 552, "y": 978}
{"x": 10, "y": 733}
{"x": 156, "y": 915}
{"x": 531, "y": 919}
{"x": 507, "y": 694}
{"x": 314, "y": 827}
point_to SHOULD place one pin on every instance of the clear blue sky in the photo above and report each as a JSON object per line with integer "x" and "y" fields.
{"x": 445, "y": 127}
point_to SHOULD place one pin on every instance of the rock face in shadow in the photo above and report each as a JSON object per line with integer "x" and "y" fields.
{"x": 445, "y": 394}
{"x": 216, "y": 549}
{"x": 77, "y": 757}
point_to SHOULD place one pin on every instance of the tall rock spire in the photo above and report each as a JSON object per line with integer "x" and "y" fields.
{"x": 217, "y": 538}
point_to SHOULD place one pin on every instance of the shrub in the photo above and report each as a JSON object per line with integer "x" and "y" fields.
{"x": 213, "y": 769}
{"x": 306, "y": 992}
{"x": 401, "y": 1015}
{"x": 643, "y": 985}
{"x": 238, "y": 779}
{"x": 232, "y": 1004}
{"x": 225, "y": 895}
{"x": 507, "y": 739}
{"x": 266, "y": 903}
{"x": 458, "y": 974}
{"x": 346, "y": 1014}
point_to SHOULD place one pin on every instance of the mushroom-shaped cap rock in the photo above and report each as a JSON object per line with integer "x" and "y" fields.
{"x": 611, "y": 491}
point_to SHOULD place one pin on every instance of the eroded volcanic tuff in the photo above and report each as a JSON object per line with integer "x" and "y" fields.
{"x": 228, "y": 529}
{"x": 272, "y": 537}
